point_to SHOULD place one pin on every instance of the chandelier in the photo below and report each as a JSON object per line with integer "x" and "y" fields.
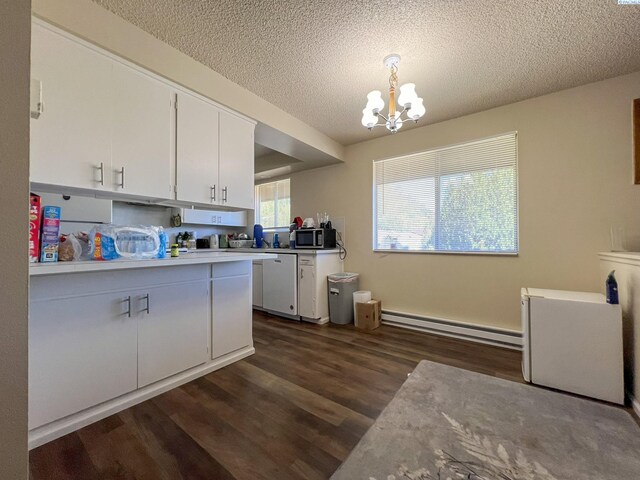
{"x": 408, "y": 102}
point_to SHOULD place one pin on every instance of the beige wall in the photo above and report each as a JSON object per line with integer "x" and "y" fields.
{"x": 575, "y": 182}
{"x": 15, "y": 31}
{"x": 95, "y": 24}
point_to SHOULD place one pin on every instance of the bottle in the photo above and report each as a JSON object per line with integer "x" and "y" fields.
{"x": 174, "y": 250}
{"x": 276, "y": 241}
{"x": 292, "y": 239}
{"x": 612, "y": 289}
{"x": 191, "y": 241}
{"x": 178, "y": 240}
{"x": 162, "y": 249}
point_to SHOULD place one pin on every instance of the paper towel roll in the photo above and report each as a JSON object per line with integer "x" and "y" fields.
{"x": 362, "y": 296}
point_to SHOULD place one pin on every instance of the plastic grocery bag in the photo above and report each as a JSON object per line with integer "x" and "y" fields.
{"x": 108, "y": 242}
{"x": 69, "y": 249}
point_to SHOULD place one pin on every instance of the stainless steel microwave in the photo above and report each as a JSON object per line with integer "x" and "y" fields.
{"x": 315, "y": 238}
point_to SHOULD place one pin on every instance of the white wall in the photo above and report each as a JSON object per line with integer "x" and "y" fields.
{"x": 575, "y": 182}
{"x": 15, "y": 32}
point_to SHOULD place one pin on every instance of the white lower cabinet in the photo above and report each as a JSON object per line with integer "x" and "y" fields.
{"x": 172, "y": 330}
{"x": 313, "y": 269}
{"x": 95, "y": 337}
{"x": 82, "y": 351}
{"x": 232, "y": 315}
{"x": 307, "y": 299}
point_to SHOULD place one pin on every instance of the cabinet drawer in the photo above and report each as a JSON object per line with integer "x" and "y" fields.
{"x": 231, "y": 269}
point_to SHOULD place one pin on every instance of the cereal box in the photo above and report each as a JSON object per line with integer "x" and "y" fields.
{"x": 50, "y": 234}
{"x": 35, "y": 216}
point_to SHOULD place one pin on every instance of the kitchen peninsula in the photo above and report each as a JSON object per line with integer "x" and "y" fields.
{"x": 106, "y": 335}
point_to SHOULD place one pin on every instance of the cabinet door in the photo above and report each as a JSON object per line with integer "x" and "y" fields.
{"x": 236, "y": 161}
{"x": 232, "y": 313}
{"x": 142, "y": 129}
{"x": 197, "y": 151}
{"x": 82, "y": 351}
{"x": 71, "y": 140}
{"x": 279, "y": 287}
{"x": 172, "y": 329}
{"x": 307, "y": 291}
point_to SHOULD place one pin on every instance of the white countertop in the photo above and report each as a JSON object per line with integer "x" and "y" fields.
{"x": 297, "y": 251}
{"x": 122, "y": 264}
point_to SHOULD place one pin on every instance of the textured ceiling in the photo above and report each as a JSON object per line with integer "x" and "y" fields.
{"x": 318, "y": 59}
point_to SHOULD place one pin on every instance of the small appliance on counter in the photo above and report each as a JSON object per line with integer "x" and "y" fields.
{"x": 203, "y": 243}
{"x": 316, "y": 238}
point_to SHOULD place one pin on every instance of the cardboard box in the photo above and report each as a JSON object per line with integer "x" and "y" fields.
{"x": 50, "y": 234}
{"x": 368, "y": 315}
{"x": 35, "y": 219}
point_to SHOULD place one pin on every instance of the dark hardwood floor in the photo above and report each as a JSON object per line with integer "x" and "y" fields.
{"x": 294, "y": 410}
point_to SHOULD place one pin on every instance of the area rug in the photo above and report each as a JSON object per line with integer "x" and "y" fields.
{"x": 448, "y": 423}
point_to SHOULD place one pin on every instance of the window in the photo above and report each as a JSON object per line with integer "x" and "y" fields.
{"x": 462, "y": 198}
{"x": 273, "y": 204}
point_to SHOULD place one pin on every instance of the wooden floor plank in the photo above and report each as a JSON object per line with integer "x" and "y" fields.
{"x": 62, "y": 459}
{"x": 294, "y": 410}
{"x": 285, "y": 409}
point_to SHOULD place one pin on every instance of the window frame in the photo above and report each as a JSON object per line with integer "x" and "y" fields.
{"x": 256, "y": 205}
{"x": 374, "y": 223}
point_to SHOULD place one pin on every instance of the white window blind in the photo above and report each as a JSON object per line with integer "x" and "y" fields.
{"x": 461, "y": 198}
{"x": 273, "y": 204}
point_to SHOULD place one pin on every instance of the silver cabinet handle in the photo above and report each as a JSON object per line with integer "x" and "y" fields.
{"x": 101, "y": 168}
{"x": 213, "y": 193}
{"x": 224, "y": 194}
{"x": 121, "y": 172}
{"x": 146, "y": 297}
{"x": 128, "y": 300}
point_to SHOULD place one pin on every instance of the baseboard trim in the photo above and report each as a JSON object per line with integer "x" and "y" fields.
{"x": 51, "y": 431}
{"x": 438, "y": 326}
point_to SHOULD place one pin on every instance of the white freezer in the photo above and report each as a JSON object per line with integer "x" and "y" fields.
{"x": 572, "y": 341}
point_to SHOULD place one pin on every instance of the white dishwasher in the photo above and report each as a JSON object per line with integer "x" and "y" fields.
{"x": 280, "y": 286}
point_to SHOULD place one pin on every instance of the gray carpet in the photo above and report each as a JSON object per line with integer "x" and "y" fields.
{"x": 448, "y": 423}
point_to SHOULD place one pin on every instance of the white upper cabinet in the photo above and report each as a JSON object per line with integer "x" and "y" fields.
{"x": 106, "y": 125}
{"x": 71, "y": 139}
{"x": 236, "y": 161}
{"x": 197, "y": 151}
{"x": 141, "y": 138}
{"x": 214, "y": 155}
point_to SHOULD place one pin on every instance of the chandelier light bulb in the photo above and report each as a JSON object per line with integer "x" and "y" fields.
{"x": 407, "y": 95}
{"x": 417, "y": 110}
{"x": 374, "y": 101}
{"x": 369, "y": 119}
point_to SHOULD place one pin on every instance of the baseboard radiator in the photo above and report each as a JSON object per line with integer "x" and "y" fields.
{"x": 438, "y": 326}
